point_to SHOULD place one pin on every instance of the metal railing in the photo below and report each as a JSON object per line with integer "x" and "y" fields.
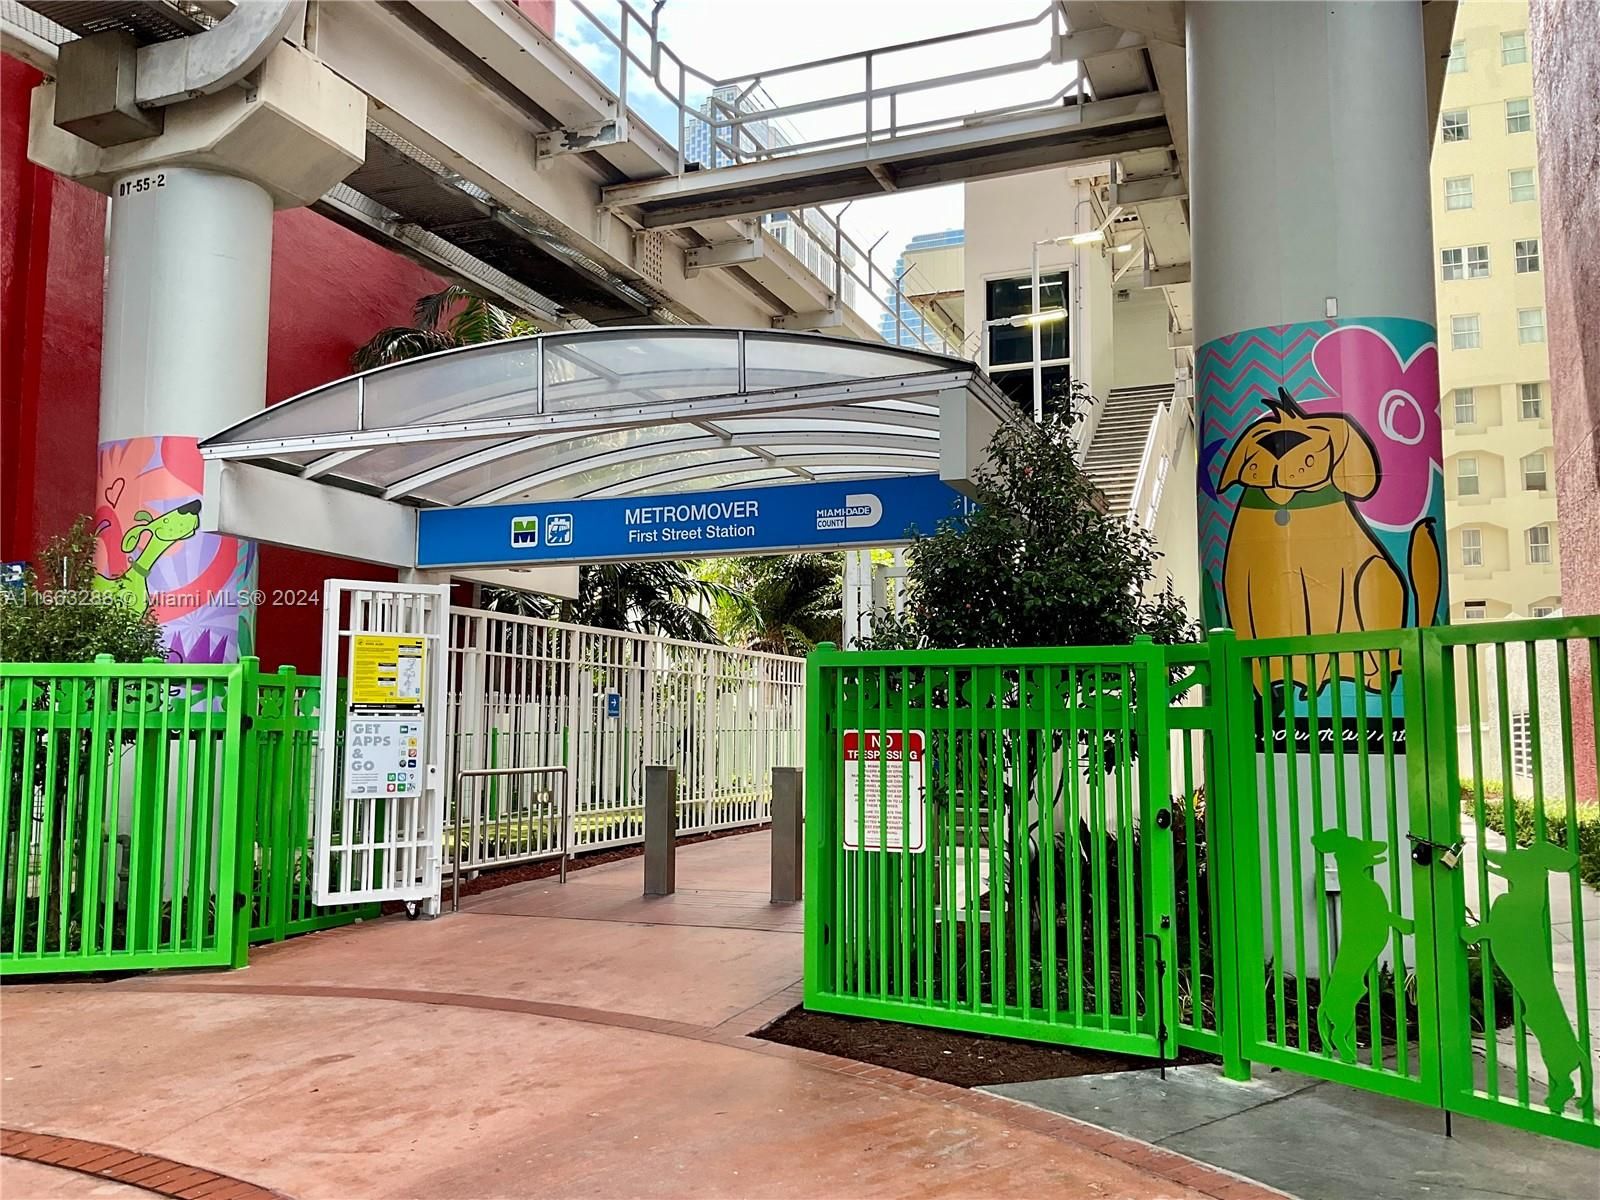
{"x": 508, "y": 822}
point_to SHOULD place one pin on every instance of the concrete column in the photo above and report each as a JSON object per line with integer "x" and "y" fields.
{"x": 1321, "y": 499}
{"x": 184, "y": 355}
{"x": 788, "y": 834}
{"x": 660, "y": 831}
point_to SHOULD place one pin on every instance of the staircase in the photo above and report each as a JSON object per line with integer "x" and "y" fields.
{"x": 1116, "y": 452}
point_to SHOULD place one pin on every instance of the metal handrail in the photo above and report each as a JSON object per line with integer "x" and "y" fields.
{"x": 480, "y": 772}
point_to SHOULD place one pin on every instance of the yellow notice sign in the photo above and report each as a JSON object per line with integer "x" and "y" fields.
{"x": 386, "y": 669}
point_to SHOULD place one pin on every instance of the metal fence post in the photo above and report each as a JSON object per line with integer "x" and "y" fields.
{"x": 1233, "y": 758}
{"x": 788, "y": 852}
{"x": 660, "y": 831}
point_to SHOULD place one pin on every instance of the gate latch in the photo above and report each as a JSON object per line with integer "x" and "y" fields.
{"x": 1422, "y": 851}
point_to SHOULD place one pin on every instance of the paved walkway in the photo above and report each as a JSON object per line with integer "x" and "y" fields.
{"x": 576, "y": 1042}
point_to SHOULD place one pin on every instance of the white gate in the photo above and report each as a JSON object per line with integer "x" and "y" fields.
{"x": 384, "y": 749}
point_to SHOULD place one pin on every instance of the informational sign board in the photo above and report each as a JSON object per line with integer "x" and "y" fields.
{"x": 801, "y": 516}
{"x": 386, "y": 670}
{"x": 382, "y": 756}
{"x": 613, "y": 705}
{"x": 885, "y": 790}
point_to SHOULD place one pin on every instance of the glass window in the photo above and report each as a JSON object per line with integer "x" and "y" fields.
{"x": 1513, "y": 48}
{"x": 1011, "y": 299}
{"x": 1458, "y": 192}
{"x": 1466, "y": 406}
{"x": 1530, "y": 325}
{"x": 1477, "y": 262}
{"x": 1533, "y": 473}
{"x": 1519, "y": 116}
{"x": 1475, "y": 610}
{"x": 1532, "y": 398}
{"x": 1457, "y": 127}
{"x": 1527, "y": 255}
{"x": 1472, "y": 547}
{"x": 1450, "y": 264}
{"x": 1522, "y": 183}
{"x": 1457, "y": 62}
{"x": 1541, "y": 610}
{"x": 1466, "y": 476}
{"x": 1464, "y": 333}
{"x": 1539, "y": 544}
{"x": 1019, "y": 386}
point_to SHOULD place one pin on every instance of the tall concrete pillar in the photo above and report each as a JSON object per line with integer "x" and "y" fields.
{"x": 1321, "y": 498}
{"x": 184, "y": 354}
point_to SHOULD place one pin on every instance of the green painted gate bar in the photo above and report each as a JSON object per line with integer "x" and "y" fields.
{"x": 1305, "y": 892}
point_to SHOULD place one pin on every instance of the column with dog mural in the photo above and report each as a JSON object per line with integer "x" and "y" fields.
{"x": 1320, "y": 479}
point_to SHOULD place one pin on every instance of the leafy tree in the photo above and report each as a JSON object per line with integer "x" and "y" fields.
{"x": 1041, "y": 561}
{"x": 444, "y": 320}
{"x": 661, "y": 598}
{"x": 783, "y": 603}
{"x": 57, "y": 617}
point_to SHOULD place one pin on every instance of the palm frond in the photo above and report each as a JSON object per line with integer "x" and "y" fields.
{"x": 429, "y": 311}
{"x": 398, "y": 343}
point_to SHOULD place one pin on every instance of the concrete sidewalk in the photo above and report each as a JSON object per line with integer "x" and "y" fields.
{"x": 546, "y": 1041}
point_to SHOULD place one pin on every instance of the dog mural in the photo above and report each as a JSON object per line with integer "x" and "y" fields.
{"x": 1517, "y": 930}
{"x": 159, "y": 534}
{"x": 1300, "y": 558}
{"x": 1366, "y": 920}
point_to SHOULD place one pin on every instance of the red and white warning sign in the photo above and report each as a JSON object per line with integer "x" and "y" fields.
{"x": 885, "y": 790}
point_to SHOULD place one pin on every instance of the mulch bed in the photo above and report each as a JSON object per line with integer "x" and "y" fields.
{"x": 499, "y": 877}
{"x": 964, "y": 1059}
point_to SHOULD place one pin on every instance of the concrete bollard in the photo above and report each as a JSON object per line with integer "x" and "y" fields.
{"x": 788, "y": 834}
{"x": 660, "y": 831}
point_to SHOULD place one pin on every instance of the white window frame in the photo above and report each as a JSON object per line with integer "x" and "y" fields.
{"x": 1478, "y": 262}
{"x": 1526, "y": 327}
{"x": 1539, "y": 552}
{"x": 1462, "y": 125}
{"x": 1543, "y": 472}
{"x": 1528, "y": 260}
{"x": 1472, "y": 547}
{"x": 1475, "y": 610}
{"x": 1513, "y": 48}
{"x": 1532, "y": 186}
{"x": 1452, "y": 263}
{"x": 1463, "y": 476}
{"x": 1521, "y": 122}
{"x": 1463, "y": 338}
{"x": 1471, "y": 406}
{"x": 1457, "y": 62}
{"x": 1458, "y": 194}
{"x": 1538, "y": 401}
{"x": 1541, "y": 610}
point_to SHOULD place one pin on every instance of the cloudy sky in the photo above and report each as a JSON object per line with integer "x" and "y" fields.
{"x": 735, "y": 40}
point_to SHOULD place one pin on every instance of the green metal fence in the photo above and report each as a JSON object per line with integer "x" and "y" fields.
{"x": 144, "y": 806}
{"x": 1354, "y": 856}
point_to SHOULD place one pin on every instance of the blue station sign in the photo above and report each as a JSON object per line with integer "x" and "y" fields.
{"x": 802, "y": 516}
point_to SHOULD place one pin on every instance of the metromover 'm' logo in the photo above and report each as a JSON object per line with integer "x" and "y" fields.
{"x": 524, "y": 532}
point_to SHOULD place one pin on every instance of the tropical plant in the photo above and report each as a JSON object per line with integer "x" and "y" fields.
{"x": 57, "y": 616}
{"x": 784, "y": 603}
{"x": 662, "y": 598}
{"x": 451, "y": 317}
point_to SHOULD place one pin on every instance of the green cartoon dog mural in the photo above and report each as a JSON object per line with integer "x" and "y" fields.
{"x": 159, "y": 534}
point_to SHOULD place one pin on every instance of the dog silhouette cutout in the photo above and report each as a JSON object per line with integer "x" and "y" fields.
{"x": 1365, "y": 922}
{"x": 1517, "y": 929}
{"x": 1300, "y": 558}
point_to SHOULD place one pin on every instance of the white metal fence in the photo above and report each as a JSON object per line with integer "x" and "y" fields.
{"x": 605, "y": 705}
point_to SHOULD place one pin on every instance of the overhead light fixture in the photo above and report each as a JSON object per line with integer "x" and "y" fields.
{"x": 1083, "y": 239}
{"x": 1045, "y": 317}
{"x": 1126, "y": 246}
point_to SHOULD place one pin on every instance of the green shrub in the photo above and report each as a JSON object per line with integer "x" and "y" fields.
{"x": 1555, "y": 825}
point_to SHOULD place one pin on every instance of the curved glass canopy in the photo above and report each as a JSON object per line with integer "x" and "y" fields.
{"x": 616, "y": 412}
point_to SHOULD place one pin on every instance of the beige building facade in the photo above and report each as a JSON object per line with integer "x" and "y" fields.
{"x": 1503, "y": 549}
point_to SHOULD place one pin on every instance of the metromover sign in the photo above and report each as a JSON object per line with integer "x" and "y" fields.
{"x": 802, "y": 516}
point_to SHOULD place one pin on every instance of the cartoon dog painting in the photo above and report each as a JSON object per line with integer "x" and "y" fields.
{"x": 1301, "y": 559}
{"x": 1367, "y": 920}
{"x": 1517, "y": 932}
{"x": 159, "y": 535}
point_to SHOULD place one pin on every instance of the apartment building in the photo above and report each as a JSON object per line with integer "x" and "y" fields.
{"x": 1503, "y": 551}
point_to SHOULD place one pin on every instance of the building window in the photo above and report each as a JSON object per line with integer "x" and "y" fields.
{"x": 1451, "y": 264}
{"x": 1466, "y": 407}
{"x": 1513, "y": 48}
{"x": 1532, "y": 398}
{"x": 1539, "y": 544}
{"x": 1008, "y": 307}
{"x": 1542, "y": 610}
{"x": 1519, "y": 116}
{"x": 1472, "y": 547}
{"x": 1457, "y": 62}
{"x": 1477, "y": 262}
{"x": 1533, "y": 473}
{"x": 1457, "y": 126}
{"x": 1464, "y": 333}
{"x": 1530, "y": 325}
{"x": 1527, "y": 255}
{"x": 1474, "y": 610}
{"x": 1521, "y": 745}
{"x": 1458, "y": 191}
{"x": 1522, "y": 185}
{"x": 1466, "y": 476}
